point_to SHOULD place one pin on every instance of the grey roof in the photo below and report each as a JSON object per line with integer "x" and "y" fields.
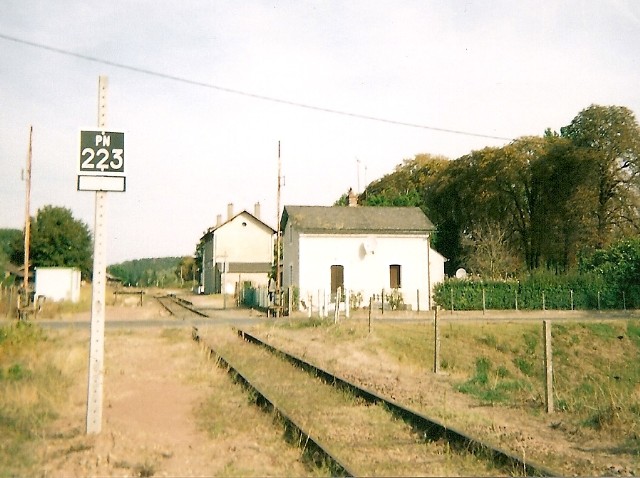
{"x": 354, "y": 220}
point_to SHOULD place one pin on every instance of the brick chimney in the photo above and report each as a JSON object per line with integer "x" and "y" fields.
{"x": 229, "y": 211}
{"x": 256, "y": 210}
{"x": 219, "y": 220}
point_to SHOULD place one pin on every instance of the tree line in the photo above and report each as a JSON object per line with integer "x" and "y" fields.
{"x": 159, "y": 272}
{"x": 58, "y": 239}
{"x": 539, "y": 202}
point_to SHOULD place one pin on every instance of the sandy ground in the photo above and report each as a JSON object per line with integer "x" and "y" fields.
{"x": 168, "y": 411}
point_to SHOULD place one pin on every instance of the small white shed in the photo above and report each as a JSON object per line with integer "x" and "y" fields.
{"x": 58, "y": 283}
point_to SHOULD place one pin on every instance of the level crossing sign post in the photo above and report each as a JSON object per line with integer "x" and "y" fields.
{"x": 101, "y": 161}
{"x": 101, "y": 169}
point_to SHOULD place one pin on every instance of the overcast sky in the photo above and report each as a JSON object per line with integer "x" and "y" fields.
{"x": 204, "y": 90}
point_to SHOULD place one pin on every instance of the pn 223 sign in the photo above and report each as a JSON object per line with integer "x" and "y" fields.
{"x": 101, "y": 152}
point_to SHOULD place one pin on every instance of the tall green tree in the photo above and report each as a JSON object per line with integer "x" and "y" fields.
{"x": 445, "y": 200}
{"x": 619, "y": 265}
{"x": 412, "y": 184}
{"x": 198, "y": 257}
{"x": 489, "y": 254}
{"x": 163, "y": 271}
{"x": 567, "y": 203}
{"x": 539, "y": 201}
{"x": 7, "y": 238}
{"x": 188, "y": 270}
{"x": 57, "y": 240}
{"x": 406, "y": 185}
{"x": 475, "y": 194}
{"x": 608, "y": 137}
{"x": 519, "y": 191}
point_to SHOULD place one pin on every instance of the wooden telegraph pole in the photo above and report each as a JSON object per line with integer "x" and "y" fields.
{"x": 278, "y": 284}
{"x": 24, "y": 300}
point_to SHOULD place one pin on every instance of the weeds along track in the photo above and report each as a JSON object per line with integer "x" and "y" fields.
{"x": 349, "y": 430}
{"x": 179, "y": 308}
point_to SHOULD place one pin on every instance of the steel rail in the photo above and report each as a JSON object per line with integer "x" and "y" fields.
{"x": 316, "y": 451}
{"x": 163, "y": 304}
{"x": 185, "y": 304}
{"x": 431, "y": 428}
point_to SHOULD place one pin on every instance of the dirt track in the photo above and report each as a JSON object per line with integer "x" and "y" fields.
{"x": 159, "y": 393}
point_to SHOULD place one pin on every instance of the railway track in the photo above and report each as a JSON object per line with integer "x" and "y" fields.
{"x": 350, "y": 430}
{"x": 179, "y": 308}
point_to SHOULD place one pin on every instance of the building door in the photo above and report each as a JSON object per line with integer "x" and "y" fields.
{"x": 337, "y": 279}
{"x": 394, "y": 276}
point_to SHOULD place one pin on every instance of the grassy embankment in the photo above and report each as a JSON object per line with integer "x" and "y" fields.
{"x": 595, "y": 366}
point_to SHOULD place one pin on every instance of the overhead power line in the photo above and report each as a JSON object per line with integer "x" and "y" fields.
{"x": 243, "y": 93}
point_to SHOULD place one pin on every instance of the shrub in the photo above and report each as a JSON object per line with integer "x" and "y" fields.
{"x": 524, "y": 365}
{"x": 587, "y": 290}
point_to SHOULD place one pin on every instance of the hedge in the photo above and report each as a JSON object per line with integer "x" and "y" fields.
{"x": 537, "y": 292}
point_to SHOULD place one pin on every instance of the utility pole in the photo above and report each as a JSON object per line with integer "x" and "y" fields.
{"x": 278, "y": 285}
{"x": 24, "y": 302}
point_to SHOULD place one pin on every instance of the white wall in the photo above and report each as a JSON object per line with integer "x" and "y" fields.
{"x": 243, "y": 239}
{"x": 366, "y": 260}
{"x": 58, "y": 283}
{"x": 436, "y": 268}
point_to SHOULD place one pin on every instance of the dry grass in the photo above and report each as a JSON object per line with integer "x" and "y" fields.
{"x": 595, "y": 363}
{"x": 229, "y": 417}
{"x": 50, "y": 309}
{"x": 500, "y": 363}
{"x": 35, "y": 375}
{"x": 240, "y": 440}
{"x": 365, "y": 436}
